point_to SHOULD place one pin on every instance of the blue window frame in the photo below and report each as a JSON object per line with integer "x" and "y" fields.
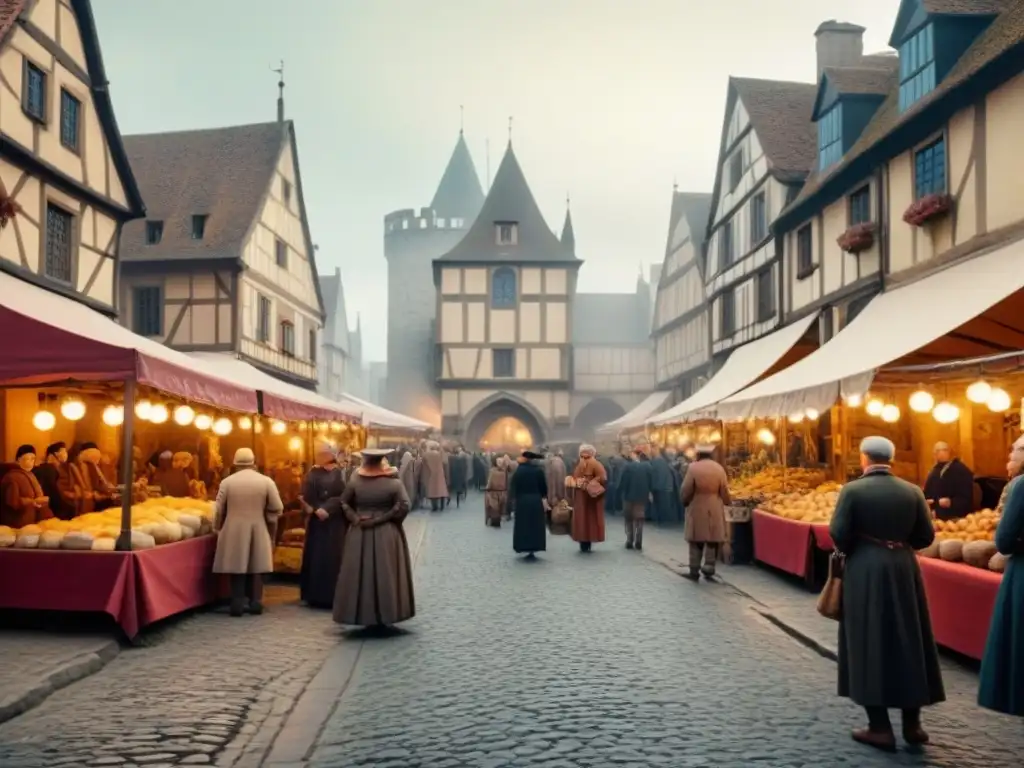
{"x": 35, "y": 92}
{"x": 930, "y": 170}
{"x": 860, "y": 206}
{"x": 503, "y": 288}
{"x": 830, "y": 137}
{"x": 70, "y": 109}
{"x": 917, "y": 67}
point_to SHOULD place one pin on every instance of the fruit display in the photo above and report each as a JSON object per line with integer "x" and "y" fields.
{"x": 155, "y": 521}
{"x": 776, "y": 480}
{"x": 805, "y": 506}
{"x": 968, "y": 540}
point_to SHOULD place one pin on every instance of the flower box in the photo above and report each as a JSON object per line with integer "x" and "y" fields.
{"x": 857, "y": 238}
{"x": 9, "y": 207}
{"x": 927, "y": 209}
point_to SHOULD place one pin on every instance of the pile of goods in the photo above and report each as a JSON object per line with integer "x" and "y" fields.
{"x": 814, "y": 506}
{"x": 288, "y": 554}
{"x": 155, "y": 521}
{"x": 968, "y": 540}
{"x": 796, "y": 494}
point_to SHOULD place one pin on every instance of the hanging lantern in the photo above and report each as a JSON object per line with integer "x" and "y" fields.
{"x": 257, "y": 427}
{"x": 766, "y": 436}
{"x": 946, "y": 413}
{"x": 142, "y": 409}
{"x": 302, "y": 426}
{"x": 222, "y": 427}
{"x": 921, "y": 401}
{"x": 44, "y": 421}
{"x": 72, "y": 409}
{"x": 854, "y": 400}
{"x": 295, "y": 444}
{"x": 812, "y": 413}
{"x": 890, "y": 413}
{"x": 203, "y": 422}
{"x": 998, "y": 401}
{"x": 159, "y": 414}
{"x": 874, "y": 407}
{"x": 979, "y": 391}
{"x": 715, "y": 437}
{"x": 245, "y": 423}
{"x": 184, "y": 415}
{"x": 113, "y": 415}
{"x": 796, "y": 418}
{"x": 278, "y": 428}
{"x": 335, "y": 426}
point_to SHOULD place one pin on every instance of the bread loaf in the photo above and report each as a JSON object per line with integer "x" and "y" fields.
{"x": 951, "y": 551}
{"x": 27, "y": 541}
{"x": 997, "y": 563}
{"x": 104, "y": 545}
{"x": 932, "y": 550}
{"x": 50, "y": 540}
{"x": 77, "y": 540}
{"x": 979, "y": 553}
{"x": 142, "y": 540}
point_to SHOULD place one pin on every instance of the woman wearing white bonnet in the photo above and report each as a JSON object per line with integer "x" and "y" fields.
{"x": 887, "y": 654}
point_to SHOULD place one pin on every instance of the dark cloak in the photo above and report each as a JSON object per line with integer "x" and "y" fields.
{"x": 528, "y": 489}
{"x": 321, "y": 554}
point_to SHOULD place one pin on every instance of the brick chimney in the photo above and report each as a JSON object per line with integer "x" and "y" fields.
{"x": 838, "y": 44}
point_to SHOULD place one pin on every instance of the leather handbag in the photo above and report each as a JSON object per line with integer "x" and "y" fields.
{"x": 594, "y": 489}
{"x": 830, "y": 601}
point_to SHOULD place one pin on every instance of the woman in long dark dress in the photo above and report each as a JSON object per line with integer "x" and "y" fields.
{"x": 528, "y": 490}
{"x": 321, "y": 553}
{"x": 887, "y": 654}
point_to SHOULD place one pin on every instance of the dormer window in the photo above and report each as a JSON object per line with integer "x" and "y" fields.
{"x": 917, "y": 67}
{"x": 830, "y": 137}
{"x": 507, "y": 233}
{"x": 198, "y": 226}
{"x": 154, "y": 232}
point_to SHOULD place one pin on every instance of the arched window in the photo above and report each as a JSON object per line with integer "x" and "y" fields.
{"x": 503, "y": 288}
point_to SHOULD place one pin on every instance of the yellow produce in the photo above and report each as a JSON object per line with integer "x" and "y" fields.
{"x": 287, "y": 559}
{"x": 977, "y": 526}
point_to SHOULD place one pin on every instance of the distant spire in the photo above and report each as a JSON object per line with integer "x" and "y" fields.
{"x": 568, "y": 235}
{"x": 459, "y": 194}
{"x": 280, "y": 91}
{"x": 510, "y": 130}
{"x": 487, "y": 157}
{"x": 675, "y": 184}
{"x": 462, "y": 119}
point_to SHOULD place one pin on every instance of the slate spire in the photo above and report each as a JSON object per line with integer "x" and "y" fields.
{"x": 459, "y": 195}
{"x": 568, "y": 235}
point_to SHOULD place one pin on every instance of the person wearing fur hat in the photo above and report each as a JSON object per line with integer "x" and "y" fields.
{"x": 321, "y": 552}
{"x": 22, "y": 501}
{"x": 247, "y": 508}
{"x": 374, "y": 586}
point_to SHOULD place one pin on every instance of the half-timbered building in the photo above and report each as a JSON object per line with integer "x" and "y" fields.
{"x": 66, "y": 186}
{"x": 223, "y": 261}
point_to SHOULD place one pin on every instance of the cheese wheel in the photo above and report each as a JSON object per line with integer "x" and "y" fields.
{"x": 142, "y": 540}
{"x": 187, "y": 533}
{"x": 77, "y": 540}
{"x": 932, "y": 550}
{"x": 190, "y": 521}
{"x": 979, "y": 553}
{"x": 27, "y": 541}
{"x": 30, "y": 530}
{"x": 157, "y": 530}
{"x": 50, "y": 540}
{"x": 7, "y": 539}
{"x": 104, "y": 545}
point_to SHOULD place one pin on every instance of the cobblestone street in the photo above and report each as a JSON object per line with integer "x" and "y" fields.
{"x": 605, "y": 660}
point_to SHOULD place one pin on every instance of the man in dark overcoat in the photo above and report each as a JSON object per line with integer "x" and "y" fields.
{"x": 635, "y": 486}
{"x": 887, "y": 654}
{"x": 949, "y": 487}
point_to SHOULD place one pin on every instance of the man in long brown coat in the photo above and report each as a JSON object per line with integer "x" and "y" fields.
{"x": 434, "y": 466}
{"x": 556, "y": 478}
{"x": 705, "y": 494}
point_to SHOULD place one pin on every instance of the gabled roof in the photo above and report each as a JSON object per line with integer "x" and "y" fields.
{"x": 610, "y": 319}
{"x": 510, "y": 200}
{"x": 223, "y": 173}
{"x": 908, "y": 9}
{"x": 459, "y": 193}
{"x": 876, "y": 80}
{"x": 568, "y": 238}
{"x": 694, "y": 208}
{"x": 891, "y": 131}
{"x": 332, "y": 290}
{"x": 780, "y": 114}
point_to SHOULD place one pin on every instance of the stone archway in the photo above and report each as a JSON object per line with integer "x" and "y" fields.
{"x": 504, "y": 407}
{"x": 598, "y": 411}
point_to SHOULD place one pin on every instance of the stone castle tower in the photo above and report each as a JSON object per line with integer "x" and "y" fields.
{"x": 411, "y": 242}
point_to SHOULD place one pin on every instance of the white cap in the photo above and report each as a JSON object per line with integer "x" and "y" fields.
{"x": 244, "y": 457}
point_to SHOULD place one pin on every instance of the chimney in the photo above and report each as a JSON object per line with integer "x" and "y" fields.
{"x": 838, "y": 44}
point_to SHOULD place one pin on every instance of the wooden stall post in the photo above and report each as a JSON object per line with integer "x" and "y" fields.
{"x": 124, "y": 539}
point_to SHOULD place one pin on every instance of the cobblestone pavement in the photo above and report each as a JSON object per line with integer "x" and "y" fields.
{"x": 199, "y": 691}
{"x": 607, "y": 660}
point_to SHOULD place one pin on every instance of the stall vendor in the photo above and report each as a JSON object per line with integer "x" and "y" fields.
{"x": 54, "y": 478}
{"x": 949, "y": 488}
{"x": 103, "y": 492}
{"x": 22, "y": 501}
{"x": 172, "y": 479}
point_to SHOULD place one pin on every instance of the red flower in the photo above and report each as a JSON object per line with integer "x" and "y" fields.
{"x": 857, "y": 238}
{"x": 927, "y": 208}
{"x": 9, "y": 207}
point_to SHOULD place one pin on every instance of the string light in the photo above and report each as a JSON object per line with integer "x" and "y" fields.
{"x": 278, "y": 428}
{"x": 854, "y": 400}
{"x": 44, "y": 421}
{"x": 295, "y": 444}
{"x": 203, "y": 422}
{"x": 979, "y": 392}
{"x": 874, "y": 407}
{"x": 765, "y": 436}
{"x": 946, "y": 413}
{"x": 921, "y": 401}
{"x": 72, "y": 409}
{"x": 812, "y": 414}
{"x": 184, "y": 415}
{"x": 998, "y": 401}
{"x": 796, "y": 418}
{"x": 142, "y": 409}
{"x": 222, "y": 427}
{"x": 113, "y": 415}
{"x": 890, "y": 413}
{"x": 159, "y": 414}
{"x": 245, "y": 423}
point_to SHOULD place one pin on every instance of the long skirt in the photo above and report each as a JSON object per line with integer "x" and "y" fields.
{"x": 321, "y": 560}
{"x": 494, "y": 507}
{"x": 375, "y": 581}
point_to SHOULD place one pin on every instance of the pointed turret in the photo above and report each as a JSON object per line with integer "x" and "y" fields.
{"x": 568, "y": 235}
{"x": 510, "y": 226}
{"x": 459, "y": 195}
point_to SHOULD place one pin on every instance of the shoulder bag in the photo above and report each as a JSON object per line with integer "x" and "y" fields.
{"x": 830, "y": 601}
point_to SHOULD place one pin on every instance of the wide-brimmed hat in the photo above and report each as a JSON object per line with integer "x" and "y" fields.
{"x": 375, "y": 453}
{"x": 532, "y": 455}
{"x": 244, "y": 457}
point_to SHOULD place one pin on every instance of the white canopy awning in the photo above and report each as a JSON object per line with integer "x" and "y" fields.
{"x": 895, "y": 324}
{"x": 639, "y": 414}
{"x": 378, "y": 416}
{"x": 745, "y": 365}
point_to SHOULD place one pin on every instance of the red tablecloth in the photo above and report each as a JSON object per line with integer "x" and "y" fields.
{"x": 135, "y": 588}
{"x": 961, "y": 600}
{"x": 822, "y": 538}
{"x": 781, "y": 543}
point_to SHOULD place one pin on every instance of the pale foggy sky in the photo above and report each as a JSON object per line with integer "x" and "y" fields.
{"x": 612, "y": 100}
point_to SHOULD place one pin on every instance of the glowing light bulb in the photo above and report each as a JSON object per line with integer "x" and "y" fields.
{"x": 921, "y": 401}
{"x": 946, "y": 413}
{"x": 891, "y": 413}
{"x": 245, "y": 423}
{"x": 203, "y": 422}
{"x": 796, "y": 418}
{"x": 44, "y": 421}
{"x": 715, "y": 437}
{"x": 72, "y": 409}
{"x": 222, "y": 427}
{"x": 278, "y": 428}
{"x": 979, "y": 392}
{"x": 295, "y": 444}
{"x": 874, "y": 407}
{"x": 766, "y": 437}
{"x": 113, "y": 415}
{"x": 854, "y": 401}
{"x": 335, "y": 426}
{"x": 184, "y": 415}
{"x": 998, "y": 401}
{"x": 142, "y": 409}
{"x": 159, "y": 414}
{"x": 812, "y": 413}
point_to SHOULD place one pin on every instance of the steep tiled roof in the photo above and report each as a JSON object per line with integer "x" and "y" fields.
{"x": 1005, "y": 34}
{"x": 780, "y": 113}
{"x": 967, "y": 6}
{"x": 609, "y": 319}
{"x": 459, "y": 193}
{"x": 9, "y": 10}
{"x": 223, "y": 173}
{"x": 510, "y": 200}
{"x": 864, "y": 81}
{"x": 568, "y": 237}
